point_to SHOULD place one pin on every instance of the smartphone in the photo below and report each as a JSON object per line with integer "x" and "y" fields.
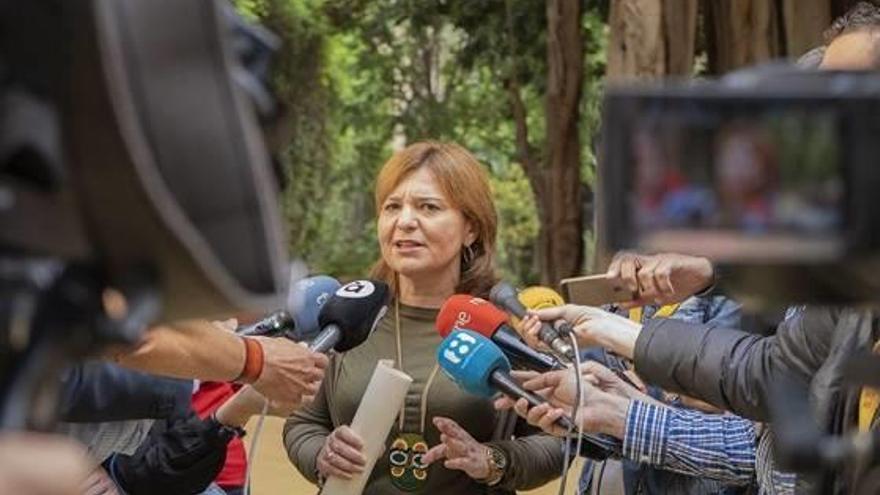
{"x": 594, "y": 290}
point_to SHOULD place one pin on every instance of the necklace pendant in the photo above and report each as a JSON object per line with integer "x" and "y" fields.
{"x": 408, "y": 472}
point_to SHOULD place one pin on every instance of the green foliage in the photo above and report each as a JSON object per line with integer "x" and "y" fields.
{"x": 365, "y": 76}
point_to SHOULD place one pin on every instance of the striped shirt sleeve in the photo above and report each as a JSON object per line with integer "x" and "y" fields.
{"x": 715, "y": 446}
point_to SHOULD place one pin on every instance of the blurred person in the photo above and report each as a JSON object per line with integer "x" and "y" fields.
{"x": 26, "y": 456}
{"x": 186, "y": 453}
{"x": 111, "y": 409}
{"x": 747, "y": 178}
{"x": 437, "y": 232}
{"x": 665, "y": 196}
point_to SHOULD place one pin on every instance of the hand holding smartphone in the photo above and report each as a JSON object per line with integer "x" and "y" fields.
{"x": 594, "y": 290}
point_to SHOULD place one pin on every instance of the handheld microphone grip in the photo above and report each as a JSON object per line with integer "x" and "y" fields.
{"x": 504, "y": 295}
{"x": 509, "y": 387}
{"x": 326, "y": 340}
{"x": 479, "y": 367}
{"x": 522, "y": 355}
{"x": 274, "y": 325}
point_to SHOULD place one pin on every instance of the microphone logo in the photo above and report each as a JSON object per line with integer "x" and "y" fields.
{"x": 459, "y": 347}
{"x": 322, "y": 299}
{"x": 358, "y": 289}
{"x": 463, "y": 319}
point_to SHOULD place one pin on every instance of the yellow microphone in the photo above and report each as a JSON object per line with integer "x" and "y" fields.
{"x": 540, "y": 297}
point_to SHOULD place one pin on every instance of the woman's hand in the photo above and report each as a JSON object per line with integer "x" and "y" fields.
{"x": 459, "y": 449}
{"x": 341, "y": 455}
{"x": 592, "y": 327}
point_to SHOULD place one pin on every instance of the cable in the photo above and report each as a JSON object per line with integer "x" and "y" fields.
{"x": 601, "y": 474}
{"x": 252, "y": 454}
{"x": 578, "y": 398}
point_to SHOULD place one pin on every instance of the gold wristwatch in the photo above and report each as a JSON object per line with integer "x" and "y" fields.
{"x": 497, "y": 465}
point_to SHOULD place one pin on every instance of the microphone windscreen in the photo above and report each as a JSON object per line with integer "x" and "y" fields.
{"x": 539, "y": 297}
{"x": 356, "y": 309}
{"x": 469, "y": 359}
{"x": 504, "y": 295}
{"x": 304, "y": 302}
{"x": 466, "y": 311}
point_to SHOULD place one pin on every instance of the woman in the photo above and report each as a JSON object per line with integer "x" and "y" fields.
{"x": 436, "y": 230}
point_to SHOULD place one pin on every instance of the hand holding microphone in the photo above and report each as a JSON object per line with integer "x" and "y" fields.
{"x": 478, "y": 366}
{"x": 591, "y": 326}
{"x": 604, "y": 411}
{"x": 505, "y": 296}
{"x": 300, "y": 320}
{"x": 294, "y": 371}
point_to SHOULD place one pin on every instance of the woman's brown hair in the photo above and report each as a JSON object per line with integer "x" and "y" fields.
{"x": 465, "y": 185}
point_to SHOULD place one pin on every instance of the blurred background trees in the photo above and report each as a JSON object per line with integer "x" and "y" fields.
{"x": 517, "y": 82}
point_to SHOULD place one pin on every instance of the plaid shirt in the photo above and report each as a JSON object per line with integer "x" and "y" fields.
{"x": 718, "y": 446}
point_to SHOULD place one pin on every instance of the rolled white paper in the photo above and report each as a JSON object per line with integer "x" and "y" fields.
{"x": 376, "y": 413}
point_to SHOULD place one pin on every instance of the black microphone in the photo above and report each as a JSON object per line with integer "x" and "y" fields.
{"x": 504, "y": 295}
{"x": 350, "y": 315}
{"x": 274, "y": 325}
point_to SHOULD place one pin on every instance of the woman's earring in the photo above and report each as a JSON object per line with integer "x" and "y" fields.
{"x": 467, "y": 255}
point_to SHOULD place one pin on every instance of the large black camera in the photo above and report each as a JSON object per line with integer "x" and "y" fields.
{"x": 770, "y": 172}
{"x": 136, "y": 185}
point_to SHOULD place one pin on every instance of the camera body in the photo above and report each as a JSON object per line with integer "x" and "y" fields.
{"x": 772, "y": 173}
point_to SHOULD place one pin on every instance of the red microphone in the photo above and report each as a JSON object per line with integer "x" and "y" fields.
{"x": 467, "y": 312}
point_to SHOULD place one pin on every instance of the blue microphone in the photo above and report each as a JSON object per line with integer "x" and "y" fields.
{"x": 479, "y": 367}
{"x": 305, "y": 300}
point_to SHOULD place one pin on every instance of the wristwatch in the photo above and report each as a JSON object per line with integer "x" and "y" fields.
{"x": 497, "y": 465}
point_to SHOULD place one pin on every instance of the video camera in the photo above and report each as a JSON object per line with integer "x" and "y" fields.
{"x": 771, "y": 173}
{"x": 136, "y": 185}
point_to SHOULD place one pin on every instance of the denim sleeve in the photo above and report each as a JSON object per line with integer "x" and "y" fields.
{"x": 718, "y": 310}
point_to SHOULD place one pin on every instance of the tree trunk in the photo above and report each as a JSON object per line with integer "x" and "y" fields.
{"x": 741, "y": 33}
{"x": 562, "y": 219}
{"x": 652, "y": 38}
{"x": 680, "y": 28}
{"x": 636, "y": 48}
{"x": 805, "y": 20}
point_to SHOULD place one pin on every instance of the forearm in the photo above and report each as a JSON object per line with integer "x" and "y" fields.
{"x": 533, "y": 461}
{"x": 719, "y": 447}
{"x": 191, "y": 349}
{"x": 727, "y": 368}
{"x": 619, "y": 338}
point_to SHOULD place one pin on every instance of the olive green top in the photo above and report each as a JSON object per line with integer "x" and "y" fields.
{"x": 533, "y": 460}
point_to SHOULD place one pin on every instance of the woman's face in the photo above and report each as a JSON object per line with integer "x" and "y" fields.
{"x": 420, "y": 232}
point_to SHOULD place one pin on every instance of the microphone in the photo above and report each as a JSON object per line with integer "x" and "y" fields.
{"x": 540, "y": 297}
{"x": 504, "y": 295}
{"x": 479, "y": 315}
{"x": 305, "y": 300}
{"x": 479, "y": 367}
{"x": 277, "y": 323}
{"x": 350, "y": 315}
